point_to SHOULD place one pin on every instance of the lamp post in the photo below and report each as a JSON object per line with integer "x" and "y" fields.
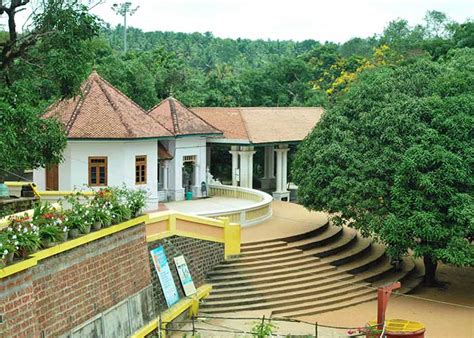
{"x": 123, "y": 9}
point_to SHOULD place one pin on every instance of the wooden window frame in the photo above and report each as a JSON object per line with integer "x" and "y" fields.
{"x": 97, "y": 184}
{"x": 141, "y": 179}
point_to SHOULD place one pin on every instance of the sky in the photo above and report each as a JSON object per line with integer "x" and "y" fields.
{"x": 329, "y": 20}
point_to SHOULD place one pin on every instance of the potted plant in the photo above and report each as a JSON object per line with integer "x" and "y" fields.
{"x": 136, "y": 201}
{"x": 49, "y": 235}
{"x": 7, "y": 249}
{"x": 24, "y": 235}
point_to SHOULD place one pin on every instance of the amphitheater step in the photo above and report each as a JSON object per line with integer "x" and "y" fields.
{"x": 323, "y": 270}
{"x": 294, "y": 300}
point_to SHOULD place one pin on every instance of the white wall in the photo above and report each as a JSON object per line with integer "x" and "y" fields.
{"x": 186, "y": 146}
{"x": 73, "y": 172}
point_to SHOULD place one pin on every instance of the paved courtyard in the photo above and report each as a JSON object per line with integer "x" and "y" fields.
{"x": 212, "y": 204}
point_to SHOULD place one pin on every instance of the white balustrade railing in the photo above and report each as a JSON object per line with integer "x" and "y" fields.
{"x": 246, "y": 215}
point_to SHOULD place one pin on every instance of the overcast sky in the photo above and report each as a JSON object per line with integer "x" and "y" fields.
{"x": 329, "y": 20}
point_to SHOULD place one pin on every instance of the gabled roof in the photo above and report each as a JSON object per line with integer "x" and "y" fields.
{"x": 262, "y": 124}
{"x": 181, "y": 120}
{"x": 103, "y": 112}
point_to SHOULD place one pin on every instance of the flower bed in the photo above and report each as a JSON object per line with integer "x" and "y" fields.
{"x": 49, "y": 226}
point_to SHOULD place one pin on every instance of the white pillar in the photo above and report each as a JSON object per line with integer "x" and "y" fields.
{"x": 235, "y": 164}
{"x": 165, "y": 175}
{"x": 208, "y": 157}
{"x": 197, "y": 181}
{"x": 284, "y": 163}
{"x": 279, "y": 172}
{"x": 282, "y": 173}
{"x": 269, "y": 162}
{"x": 246, "y": 166}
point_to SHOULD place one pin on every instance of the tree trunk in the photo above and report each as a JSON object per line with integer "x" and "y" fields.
{"x": 430, "y": 271}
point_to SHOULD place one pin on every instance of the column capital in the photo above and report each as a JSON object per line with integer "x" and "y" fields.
{"x": 282, "y": 150}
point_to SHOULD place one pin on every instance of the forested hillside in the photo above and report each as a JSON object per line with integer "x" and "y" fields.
{"x": 202, "y": 70}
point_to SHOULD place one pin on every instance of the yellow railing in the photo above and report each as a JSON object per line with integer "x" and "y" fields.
{"x": 167, "y": 316}
{"x": 68, "y": 245}
{"x": 173, "y": 223}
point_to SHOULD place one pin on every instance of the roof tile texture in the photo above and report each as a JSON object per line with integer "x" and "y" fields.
{"x": 179, "y": 119}
{"x": 102, "y": 111}
{"x": 263, "y": 124}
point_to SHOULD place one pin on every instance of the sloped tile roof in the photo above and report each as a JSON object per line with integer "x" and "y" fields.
{"x": 263, "y": 124}
{"x": 103, "y": 112}
{"x": 180, "y": 120}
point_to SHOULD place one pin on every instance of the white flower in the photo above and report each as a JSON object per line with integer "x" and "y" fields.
{"x": 16, "y": 243}
{"x": 5, "y": 252}
{"x": 14, "y": 237}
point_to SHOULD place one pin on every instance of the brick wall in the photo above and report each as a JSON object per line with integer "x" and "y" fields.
{"x": 201, "y": 256}
{"x": 65, "y": 290}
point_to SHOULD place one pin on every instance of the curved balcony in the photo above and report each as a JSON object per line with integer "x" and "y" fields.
{"x": 240, "y": 205}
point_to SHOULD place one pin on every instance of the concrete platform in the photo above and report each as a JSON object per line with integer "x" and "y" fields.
{"x": 288, "y": 219}
{"x": 212, "y": 204}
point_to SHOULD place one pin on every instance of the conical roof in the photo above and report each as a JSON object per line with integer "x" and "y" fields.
{"x": 104, "y": 112}
{"x": 179, "y": 119}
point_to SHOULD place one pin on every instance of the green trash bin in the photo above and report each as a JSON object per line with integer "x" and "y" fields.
{"x": 189, "y": 195}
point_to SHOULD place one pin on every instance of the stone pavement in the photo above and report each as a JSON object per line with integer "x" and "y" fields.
{"x": 214, "y": 204}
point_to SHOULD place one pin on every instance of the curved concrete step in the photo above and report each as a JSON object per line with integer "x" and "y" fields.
{"x": 303, "y": 260}
{"x": 348, "y": 247}
{"x": 255, "y": 280}
{"x": 317, "y": 230}
{"x": 284, "y": 272}
{"x": 299, "y": 301}
{"x": 316, "y": 308}
{"x": 320, "y": 279}
{"x": 260, "y": 246}
{"x": 273, "y": 294}
{"x": 331, "y": 234}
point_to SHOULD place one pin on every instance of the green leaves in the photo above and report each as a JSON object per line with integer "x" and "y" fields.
{"x": 394, "y": 158}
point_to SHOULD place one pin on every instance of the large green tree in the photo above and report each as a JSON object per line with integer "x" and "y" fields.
{"x": 45, "y": 63}
{"x": 394, "y": 158}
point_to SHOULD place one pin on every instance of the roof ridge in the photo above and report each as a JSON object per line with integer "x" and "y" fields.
{"x": 196, "y": 115}
{"x": 114, "y": 106}
{"x": 244, "y": 124}
{"x": 156, "y": 120}
{"x": 75, "y": 113}
{"x": 174, "y": 118}
{"x": 120, "y": 92}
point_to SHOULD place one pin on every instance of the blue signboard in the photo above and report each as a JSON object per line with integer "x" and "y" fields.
{"x": 164, "y": 275}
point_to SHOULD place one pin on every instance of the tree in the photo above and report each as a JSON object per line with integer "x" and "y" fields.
{"x": 45, "y": 63}
{"x": 394, "y": 158}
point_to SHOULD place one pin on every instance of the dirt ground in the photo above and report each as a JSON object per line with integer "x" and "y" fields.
{"x": 441, "y": 320}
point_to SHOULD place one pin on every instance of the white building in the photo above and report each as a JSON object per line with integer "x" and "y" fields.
{"x": 112, "y": 141}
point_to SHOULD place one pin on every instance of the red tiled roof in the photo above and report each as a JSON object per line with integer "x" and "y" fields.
{"x": 103, "y": 112}
{"x": 180, "y": 120}
{"x": 262, "y": 124}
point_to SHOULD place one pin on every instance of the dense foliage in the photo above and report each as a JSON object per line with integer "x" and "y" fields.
{"x": 203, "y": 70}
{"x": 47, "y": 62}
{"x": 394, "y": 157}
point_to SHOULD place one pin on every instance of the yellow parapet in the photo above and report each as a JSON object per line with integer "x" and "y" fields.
{"x": 167, "y": 316}
{"x": 174, "y": 223}
{"x": 68, "y": 245}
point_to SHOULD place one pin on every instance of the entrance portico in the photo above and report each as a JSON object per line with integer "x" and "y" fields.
{"x": 270, "y": 129}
